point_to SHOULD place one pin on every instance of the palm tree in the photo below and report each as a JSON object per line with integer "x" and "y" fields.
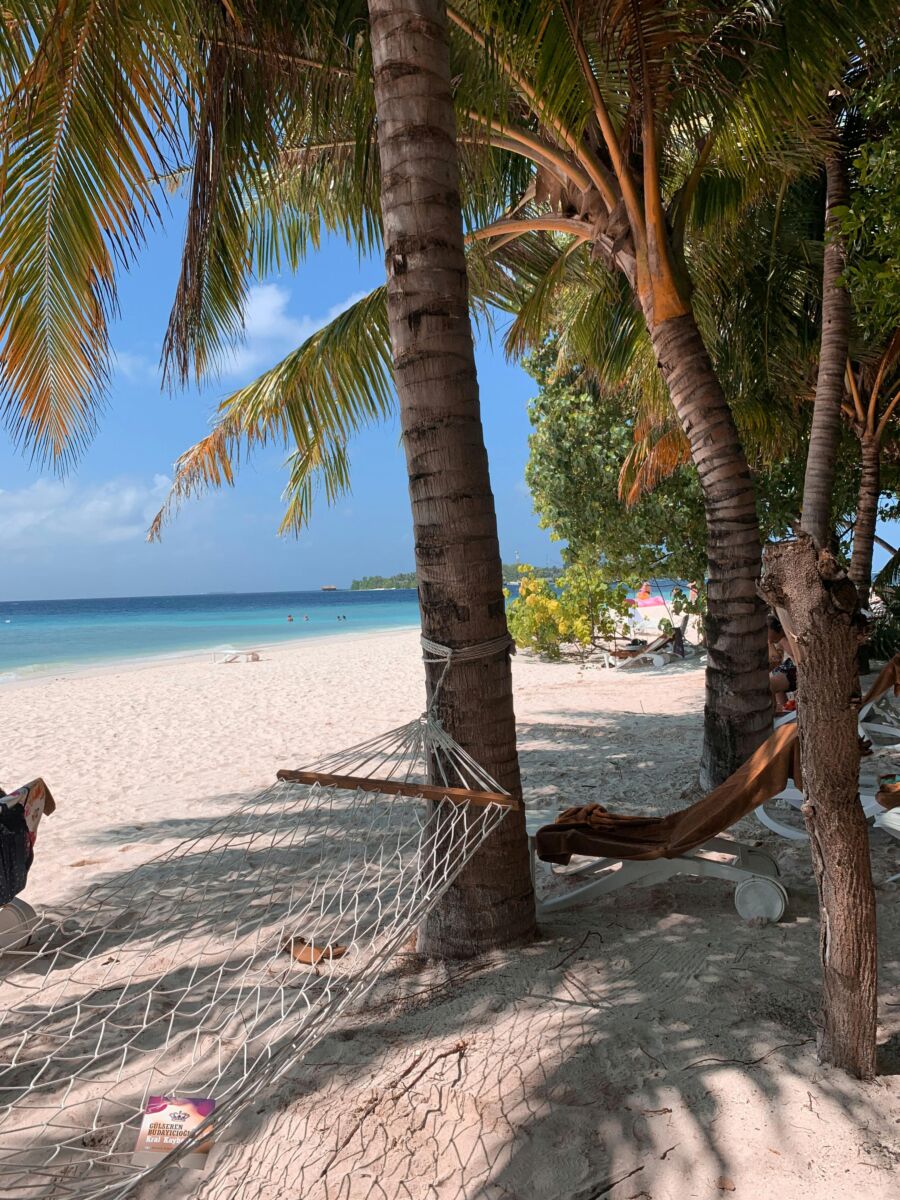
{"x": 826, "y": 421}
{"x": 457, "y": 552}
{"x": 95, "y": 109}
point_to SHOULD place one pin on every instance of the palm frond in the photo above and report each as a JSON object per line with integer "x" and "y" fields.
{"x": 90, "y": 120}
{"x": 311, "y": 403}
{"x": 651, "y": 460}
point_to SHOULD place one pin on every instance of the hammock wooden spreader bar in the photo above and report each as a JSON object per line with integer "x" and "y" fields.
{"x": 398, "y": 787}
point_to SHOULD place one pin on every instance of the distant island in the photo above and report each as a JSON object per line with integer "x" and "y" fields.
{"x": 407, "y": 579}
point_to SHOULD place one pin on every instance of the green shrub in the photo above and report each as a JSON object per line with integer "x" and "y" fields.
{"x": 579, "y": 611}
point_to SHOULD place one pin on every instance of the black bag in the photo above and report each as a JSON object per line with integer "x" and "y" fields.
{"x": 15, "y": 851}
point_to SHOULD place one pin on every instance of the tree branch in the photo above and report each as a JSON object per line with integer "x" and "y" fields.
{"x": 571, "y": 225}
{"x": 854, "y": 392}
{"x": 689, "y": 187}
{"x": 581, "y": 151}
{"x": 887, "y": 414}
{"x": 886, "y": 361}
{"x": 625, "y": 179}
{"x": 531, "y": 147}
{"x": 282, "y": 56}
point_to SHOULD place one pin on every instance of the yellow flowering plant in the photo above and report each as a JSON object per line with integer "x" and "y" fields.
{"x": 576, "y": 611}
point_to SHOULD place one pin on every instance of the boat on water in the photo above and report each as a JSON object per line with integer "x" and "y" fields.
{"x": 328, "y": 587}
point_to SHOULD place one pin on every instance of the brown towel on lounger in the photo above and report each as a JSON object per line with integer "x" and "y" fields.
{"x": 593, "y": 831}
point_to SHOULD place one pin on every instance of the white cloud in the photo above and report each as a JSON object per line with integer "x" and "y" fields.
{"x": 270, "y": 331}
{"x": 136, "y": 368}
{"x": 55, "y": 513}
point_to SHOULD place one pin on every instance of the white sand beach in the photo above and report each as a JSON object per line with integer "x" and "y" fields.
{"x": 648, "y": 1046}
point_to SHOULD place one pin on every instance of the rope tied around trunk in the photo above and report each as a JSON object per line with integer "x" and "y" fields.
{"x": 448, "y": 655}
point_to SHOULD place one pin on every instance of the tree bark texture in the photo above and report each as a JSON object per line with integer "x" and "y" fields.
{"x": 818, "y": 482}
{"x": 866, "y": 517}
{"x": 738, "y": 712}
{"x": 457, "y": 550}
{"x": 819, "y": 606}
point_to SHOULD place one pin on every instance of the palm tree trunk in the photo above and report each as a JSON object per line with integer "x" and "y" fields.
{"x": 818, "y": 483}
{"x": 866, "y": 517}
{"x": 738, "y": 713}
{"x": 457, "y": 551}
{"x": 819, "y": 603}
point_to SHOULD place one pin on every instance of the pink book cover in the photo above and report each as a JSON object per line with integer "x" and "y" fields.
{"x": 168, "y": 1120}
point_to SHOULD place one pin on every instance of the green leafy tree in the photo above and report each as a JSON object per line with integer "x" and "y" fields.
{"x": 580, "y": 441}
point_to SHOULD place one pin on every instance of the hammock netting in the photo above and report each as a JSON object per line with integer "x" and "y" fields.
{"x": 209, "y": 970}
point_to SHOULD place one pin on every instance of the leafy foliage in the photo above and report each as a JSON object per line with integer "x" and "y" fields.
{"x": 311, "y": 403}
{"x": 872, "y": 222}
{"x": 580, "y": 610}
{"x": 884, "y": 628}
{"x": 582, "y": 437}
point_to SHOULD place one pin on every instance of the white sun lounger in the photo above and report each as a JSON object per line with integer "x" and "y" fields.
{"x": 654, "y": 652}
{"x": 759, "y": 893}
{"x": 794, "y": 797}
{"x": 879, "y": 721}
{"x": 230, "y": 655}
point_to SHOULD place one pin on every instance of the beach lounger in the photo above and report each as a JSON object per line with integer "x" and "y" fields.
{"x": 874, "y": 810}
{"x": 879, "y": 717}
{"x": 629, "y": 850}
{"x": 793, "y": 797}
{"x": 655, "y": 652}
{"x": 230, "y": 655}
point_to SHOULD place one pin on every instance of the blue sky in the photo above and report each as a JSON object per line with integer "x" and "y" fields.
{"x": 84, "y": 536}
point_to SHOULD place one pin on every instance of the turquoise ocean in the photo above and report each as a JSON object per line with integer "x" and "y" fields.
{"x": 39, "y": 636}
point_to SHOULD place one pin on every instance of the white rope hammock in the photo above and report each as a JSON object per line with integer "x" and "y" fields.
{"x": 210, "y": 969}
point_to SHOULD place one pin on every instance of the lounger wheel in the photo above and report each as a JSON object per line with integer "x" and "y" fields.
{"x": 760, "y": 898}
{"x": 17, "y": 923}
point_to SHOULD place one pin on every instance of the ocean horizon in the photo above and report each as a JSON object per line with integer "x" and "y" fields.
{"x": 40, "y": 636}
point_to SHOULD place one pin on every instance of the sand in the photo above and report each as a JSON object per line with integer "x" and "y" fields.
{"x": 649, "y": 1046}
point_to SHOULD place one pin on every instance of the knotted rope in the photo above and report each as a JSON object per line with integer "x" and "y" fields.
{"x": 448, "y": 655}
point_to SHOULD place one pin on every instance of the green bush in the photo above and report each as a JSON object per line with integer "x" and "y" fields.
{"x": 579, "y": 611}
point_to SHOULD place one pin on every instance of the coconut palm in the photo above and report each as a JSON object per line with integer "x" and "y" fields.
{"x": 457, "y": 552}
{"x": 835, "y": 344}
{"x": 606, "y": 126}
{"x": 599, "y": 136}
{"x": 201, "y": 100}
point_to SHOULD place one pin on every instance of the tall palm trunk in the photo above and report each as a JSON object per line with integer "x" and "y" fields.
{"x": 866, "y": 517}
{"x": 818, "y": 483}
{"x": 738, "y": 713}
{"x": 457, "y": 552}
